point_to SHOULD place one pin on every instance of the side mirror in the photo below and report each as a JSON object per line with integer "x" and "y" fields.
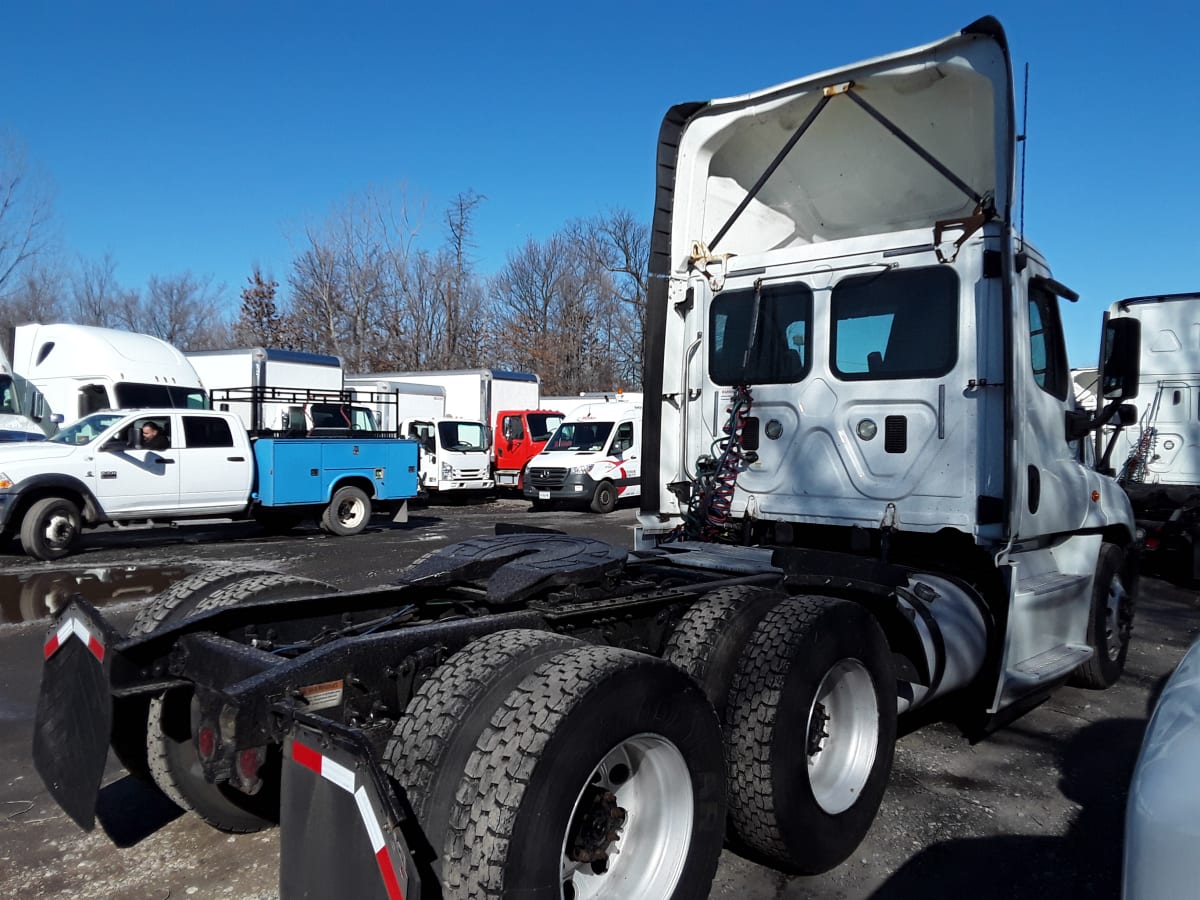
{"x": 1120, "y": 358}
{"x": 114, "y": 445}
{"x": 1127, "y": 414}
{"x": 1079, "y": 424}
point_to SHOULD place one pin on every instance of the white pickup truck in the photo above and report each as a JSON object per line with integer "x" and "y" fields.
{"x": 202, "y": 464}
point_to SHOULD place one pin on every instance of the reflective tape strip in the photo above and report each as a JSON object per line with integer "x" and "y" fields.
{"x": 73, "y": 626}
{"x": 344, "y": 778}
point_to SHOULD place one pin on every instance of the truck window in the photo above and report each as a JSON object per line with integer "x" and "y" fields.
{"x": 206, "y": 432}
{"x": 894, "y": 324}
{"x": 541, "y": 425}
{"x": 465, "y": 437}
{"x": 580, "y": 436}
{"x": 1047, "y": 349}
{"x": 93, "y": 398}
{"x": 8, "y": 397}
{"x": 624, "y": 440}
{"x": 512, "y": 428}
{"x": 132, "y": 395}
{"x": 778, "y": 353}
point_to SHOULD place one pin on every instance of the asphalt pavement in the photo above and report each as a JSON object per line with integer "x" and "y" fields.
{"x": 1034, "y": 810}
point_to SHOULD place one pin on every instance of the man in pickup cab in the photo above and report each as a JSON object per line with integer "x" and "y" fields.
{"x": 153, "y": 438}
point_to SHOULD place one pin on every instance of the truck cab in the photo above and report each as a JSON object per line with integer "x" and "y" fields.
{"x": 593, "y": 457}
{"x": 856, "y": 351}
{"x": 454, "y": 453}
{"x": 80, "y": 369}
{"x": 519, "y": 436}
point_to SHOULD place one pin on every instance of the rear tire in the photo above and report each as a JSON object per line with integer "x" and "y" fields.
{"x": 171, "y": 756}
{"x": 348, "y": 512}
{"x": 1111, "y": 623}
{"x": 50, "y": 528}
{"x": 599, "y": 777}
{"x": 810, "y": 733}
{"x": 604, "y": 500}
{"x": 709, "y": 639}
{"x": 431, "y": 744}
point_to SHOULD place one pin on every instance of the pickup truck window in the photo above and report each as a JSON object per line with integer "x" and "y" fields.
{"x": 895, "y": 324}
{"x": 777, "y": 352}
{"x": 87, "y": 430}
{"x": 204, "y": 431}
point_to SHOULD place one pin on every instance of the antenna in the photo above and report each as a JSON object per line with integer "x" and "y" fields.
{"x": 1021, "y": 140}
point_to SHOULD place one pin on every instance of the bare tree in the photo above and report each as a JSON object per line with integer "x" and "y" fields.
{"x": 97, "y": 297}
{"x": 34, "y": 297}
{"x": 184, "y": 310}
{"x": 26, "y": 210}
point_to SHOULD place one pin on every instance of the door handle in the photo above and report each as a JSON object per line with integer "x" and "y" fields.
{"x": 235, "y": 459}
{"x": 164, "y": 461}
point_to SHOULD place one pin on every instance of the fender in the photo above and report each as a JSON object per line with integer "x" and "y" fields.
{"x": 48, "y": 483}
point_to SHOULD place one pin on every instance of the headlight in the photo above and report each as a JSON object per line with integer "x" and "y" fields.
{"x": 447, "y": 471}
{"x": 581, "y": 470}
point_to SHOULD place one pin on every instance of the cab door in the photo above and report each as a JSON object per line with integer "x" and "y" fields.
{"x": 130, "y": 480}
{"x": 215, "y": 470}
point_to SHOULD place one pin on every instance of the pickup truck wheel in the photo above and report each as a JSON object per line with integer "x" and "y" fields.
{"x": 50, "y": 528}
{"x": 810, "y": 733}
{"x": 1111, "y": 624}
{"x": 430, "y": 746}
{"x": 171, "y": 723}
{"x": 348, "y": 512}
{"x": 598, "y": 777}
{"x": 605, "y": 498}
{"x": 709, "y": 639}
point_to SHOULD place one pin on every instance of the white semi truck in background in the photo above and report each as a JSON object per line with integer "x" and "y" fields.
{"x": 20, "y": 403}
{"x": 81, "y": 369}
{"x": 859, "y": 494}
{"x": 1157, "y": 460}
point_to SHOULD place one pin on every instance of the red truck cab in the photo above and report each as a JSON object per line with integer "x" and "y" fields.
{"x": 520, "y": 436}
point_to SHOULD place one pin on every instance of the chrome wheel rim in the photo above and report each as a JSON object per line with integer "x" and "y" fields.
{"x": 842, "y": 735}
{"x": 631, "y": 824}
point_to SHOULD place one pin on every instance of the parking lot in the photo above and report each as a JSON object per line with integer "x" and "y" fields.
{"x": 1034, "y": 810}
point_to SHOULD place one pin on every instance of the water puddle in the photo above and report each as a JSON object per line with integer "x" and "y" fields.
{"x": 30, "y": 596}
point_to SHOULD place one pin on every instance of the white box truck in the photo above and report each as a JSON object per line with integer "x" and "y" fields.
{"x": 454, "y": 449}
{"x": 81, "y": 369}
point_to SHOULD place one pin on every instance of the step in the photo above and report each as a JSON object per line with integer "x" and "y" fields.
{"x": 1049, "y": 665}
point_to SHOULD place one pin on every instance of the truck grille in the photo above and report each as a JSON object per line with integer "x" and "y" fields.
{"x": 546, "y": 479}
{"x": 469, "y": 474}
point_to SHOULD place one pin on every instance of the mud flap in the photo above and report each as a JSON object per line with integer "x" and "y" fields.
{"x": 340, "y": 823}
{"x": 74, "y": 713}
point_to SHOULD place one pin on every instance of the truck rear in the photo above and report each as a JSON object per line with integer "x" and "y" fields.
{"x": 860, "y": 495}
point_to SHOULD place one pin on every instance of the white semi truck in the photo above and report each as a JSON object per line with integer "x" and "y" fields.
{"x": 1157, "y": 460}
{"x": 859, "y": 494}
{"x": 22, "y": 408}
{"x": 80, "y": 369}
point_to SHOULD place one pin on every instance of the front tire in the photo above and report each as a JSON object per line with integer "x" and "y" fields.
{"x": 348, "y": 512}
{"x": 1111, "y": 622}
{"x": 599, "y": 777}
{"x": 810, "y": 733}
{"x": 604, "y": 500}
{"x": 50, "y": 528}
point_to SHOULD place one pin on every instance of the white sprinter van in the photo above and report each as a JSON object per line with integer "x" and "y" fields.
{"x": 593, "y": 458}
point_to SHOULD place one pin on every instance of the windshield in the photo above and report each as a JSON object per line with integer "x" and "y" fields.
{"x": 542, "y": 425}
{"x": 88, "y": 429}
{"x": 575, "y": 436}
{"x": 131, "y": 395}
{"x": 463, "y": 437}
{"x": 8, "y": 396}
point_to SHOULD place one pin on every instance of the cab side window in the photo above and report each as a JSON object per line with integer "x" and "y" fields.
{"x": 1047, "y": 348}
{"x": 201, "y": 431}
{"x": 623, "y": 442}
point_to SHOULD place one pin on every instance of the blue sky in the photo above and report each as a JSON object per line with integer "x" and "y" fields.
{"x": 198, "y": 136}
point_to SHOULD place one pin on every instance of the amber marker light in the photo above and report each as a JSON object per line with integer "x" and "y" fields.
{"x": 1095, "y": 496}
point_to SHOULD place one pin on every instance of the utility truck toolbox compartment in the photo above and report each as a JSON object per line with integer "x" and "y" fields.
{"x": 303, "y": 470}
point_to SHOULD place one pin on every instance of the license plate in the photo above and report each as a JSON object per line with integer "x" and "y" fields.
{"x": 543, "y": 495}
